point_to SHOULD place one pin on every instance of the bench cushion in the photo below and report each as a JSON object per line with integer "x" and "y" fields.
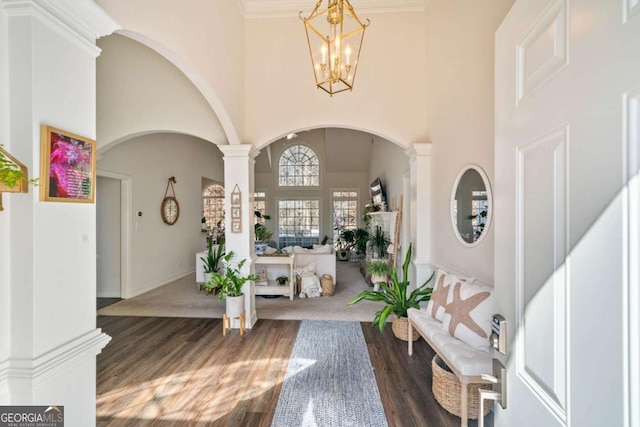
{"x": 467, "y": 360}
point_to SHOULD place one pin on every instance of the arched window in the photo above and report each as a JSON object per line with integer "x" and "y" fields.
{"x": 299, "y": 167}
{"x": 213, "y": 205}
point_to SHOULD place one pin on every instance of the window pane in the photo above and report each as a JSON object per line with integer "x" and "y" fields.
{"x": 298, "y": 222}
{"x": 345, "y": 212}
{"x": 299, "y": 167}
{"x": 213, "y": 205}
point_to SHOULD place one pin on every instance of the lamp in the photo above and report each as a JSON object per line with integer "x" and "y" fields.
{"x": 335, "y": 38}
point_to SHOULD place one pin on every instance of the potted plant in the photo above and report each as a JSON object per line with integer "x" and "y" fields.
{"x": 282, "y": 280}
{"x": 212, "y": 261}
{"x": 228, "y": 285}
{"x": 346, "y": 242}
{"x": 14, "y": 176}
{"x": 203, "y": 224}
{"x": 262, "y": 233}
{"x": 379, "y": 241}
{"x": 361, "y": 239}
{"x": 396, "y": 299}
{"x": 379, "y": 271}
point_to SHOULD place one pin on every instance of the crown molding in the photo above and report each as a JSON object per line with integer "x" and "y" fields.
{"x": 287, "y": 8}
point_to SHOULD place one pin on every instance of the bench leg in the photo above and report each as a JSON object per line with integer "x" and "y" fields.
{"x": 410, "y": 344}
{"x": 464, "y": 416}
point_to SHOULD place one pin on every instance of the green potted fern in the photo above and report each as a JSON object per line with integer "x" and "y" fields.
{"x": 379, "y": 271}
{"x": 397, "y": 299}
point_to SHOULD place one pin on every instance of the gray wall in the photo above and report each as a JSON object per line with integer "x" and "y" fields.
{"x": 160, "y": 252}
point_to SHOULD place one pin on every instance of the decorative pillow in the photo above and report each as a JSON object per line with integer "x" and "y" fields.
{"x": 323, "y": 249}
{"x": 269, "y": 250}
{"x": 468, "y": 314}
{"x": 300, "y": 271}
{"x": 439, "y": 295}
{"x": 308, "y": 268}
{"x": 310, "y": 286}
{"x": 287, "y": 250}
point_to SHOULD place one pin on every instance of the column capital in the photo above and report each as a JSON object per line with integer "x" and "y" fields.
{"x": 418, "y": 149}
{"x": 239, "y": 150}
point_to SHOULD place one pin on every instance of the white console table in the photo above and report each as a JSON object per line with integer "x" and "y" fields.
{"x": 272, "y": 288}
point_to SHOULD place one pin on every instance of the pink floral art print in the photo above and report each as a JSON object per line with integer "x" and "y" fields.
{"x": 68, "y": 166}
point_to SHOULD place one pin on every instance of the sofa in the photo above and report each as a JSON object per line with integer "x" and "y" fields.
{"x": 456, "y": 323}
{"x": 323, "y": 256}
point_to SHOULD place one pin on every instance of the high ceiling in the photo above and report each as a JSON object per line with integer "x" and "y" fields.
{"x": 257, "y": 8}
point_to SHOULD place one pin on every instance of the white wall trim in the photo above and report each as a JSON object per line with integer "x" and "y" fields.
{"x": 31, "y": 372}
{"x": 81, "y": 23}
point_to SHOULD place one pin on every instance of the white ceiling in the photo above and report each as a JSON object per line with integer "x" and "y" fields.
{"x": 258, "y": 8}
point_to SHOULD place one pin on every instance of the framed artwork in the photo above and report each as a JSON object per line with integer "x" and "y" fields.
{"x": 67, "y": 166}
{"x": 236, "y": 210}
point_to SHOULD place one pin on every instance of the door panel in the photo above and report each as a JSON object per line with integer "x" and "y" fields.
{"x": 540, "y": 271}
{"x": 566, "y": 211}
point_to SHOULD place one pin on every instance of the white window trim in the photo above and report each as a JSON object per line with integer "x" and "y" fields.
{"x": 304, "y": 187}
{"x": 277, "y": 213}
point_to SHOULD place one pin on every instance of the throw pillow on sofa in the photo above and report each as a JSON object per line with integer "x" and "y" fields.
{"x": 468, "y": 314}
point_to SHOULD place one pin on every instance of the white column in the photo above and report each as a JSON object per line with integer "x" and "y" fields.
{"x": 420, "y": 209}
{"x": 239, "y": 162}
{"x": 48, "y": 336}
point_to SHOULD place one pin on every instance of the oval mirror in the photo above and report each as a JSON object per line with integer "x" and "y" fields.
{"x": 471, "y": 205}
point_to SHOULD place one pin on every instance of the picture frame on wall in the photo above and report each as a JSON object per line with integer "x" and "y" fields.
{"x": 236, "y": 210}
{"x": 67, "y": 166}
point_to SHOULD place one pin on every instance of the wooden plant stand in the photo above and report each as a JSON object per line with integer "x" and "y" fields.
{"x": 226, "y": 323}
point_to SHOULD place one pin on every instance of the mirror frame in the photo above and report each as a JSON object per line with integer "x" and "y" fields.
{"x": 485, "y": 180}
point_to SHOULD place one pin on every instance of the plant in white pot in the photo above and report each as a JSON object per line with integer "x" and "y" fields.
{"x": 379, "y": 271}
{"x": 228, "y": 285}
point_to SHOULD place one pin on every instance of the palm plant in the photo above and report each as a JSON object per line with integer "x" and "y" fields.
{"x": 395, "y": 296}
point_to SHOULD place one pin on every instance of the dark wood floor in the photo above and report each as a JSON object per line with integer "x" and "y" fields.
{"x": 183, "y": 372}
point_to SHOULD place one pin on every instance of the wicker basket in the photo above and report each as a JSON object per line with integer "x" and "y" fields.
{"x": 326, "y": 283}
{"x": 446, "y": 390}
{"x": 400, "y": 328}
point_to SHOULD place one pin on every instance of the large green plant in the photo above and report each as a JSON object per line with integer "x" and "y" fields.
{"x": 212, "y": 261}
{"x": 346, "y": 239}
{"x": 395, "y": 297}
{"x": 230, "y": 282}
{"x": 361, "y": 237}
{"x": 379, "y": 241}
{"x": 260, "y": 229}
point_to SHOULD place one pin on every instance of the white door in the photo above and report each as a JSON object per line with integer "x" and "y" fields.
{"x": 566, "y": 211}
{"x": 108, "y": 233}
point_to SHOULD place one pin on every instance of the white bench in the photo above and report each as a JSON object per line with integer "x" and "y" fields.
{"x": 467, "y": 362}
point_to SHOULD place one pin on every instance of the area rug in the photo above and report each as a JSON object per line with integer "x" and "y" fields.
{"x": 330, "y": 380}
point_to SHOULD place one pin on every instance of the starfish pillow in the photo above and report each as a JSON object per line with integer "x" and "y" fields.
{"x": 468, "y": 314}
{"x": 442, "y": 294}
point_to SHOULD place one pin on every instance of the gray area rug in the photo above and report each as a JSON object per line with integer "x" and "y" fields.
{"x": 330, "y": 380}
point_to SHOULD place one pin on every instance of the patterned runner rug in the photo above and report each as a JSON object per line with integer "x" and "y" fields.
{"x": 330, "y": 380}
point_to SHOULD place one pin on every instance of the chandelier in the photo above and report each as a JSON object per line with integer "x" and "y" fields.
{"x": 335, "y": 38}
